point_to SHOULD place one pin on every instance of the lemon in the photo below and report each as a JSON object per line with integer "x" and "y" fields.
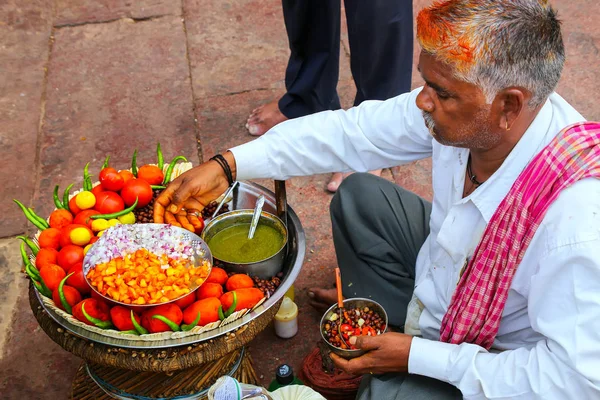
{"x": 86, "y": 248}
{"x": 100, "y": 233}
{"x": 128, "y": 218}
{"x": 80, "y": 236}
{"x": 113, "y": 222}
{"x": 85, "y": 200}
{"x": 100, "y": 224}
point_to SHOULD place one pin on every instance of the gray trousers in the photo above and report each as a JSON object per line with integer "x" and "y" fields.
{"x": 378, "y": 229}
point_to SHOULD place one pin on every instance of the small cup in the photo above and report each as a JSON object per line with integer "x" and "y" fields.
{"x": 350, "y": 304}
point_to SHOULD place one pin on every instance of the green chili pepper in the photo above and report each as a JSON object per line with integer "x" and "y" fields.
{"x": 221, "y": 315}
{"x": 170, "y": 168}
{"x": 24, "y": 255}
{"x": 159, "y": 187}
{"x": 131, "y": 332}
{"x": 38, "y": 218}
{"x": 134, "y": 164}
{"x": 61, "y": 294}
{"x": 66, "y": 196}
{"x": 191, "y": 326}
{"x": 140, "y": 329}
{"x": 98, "y": 322}
{"x": 57, "y": 202}
{"x": 105, "y": 165}
{"x": 117, "y": 214}
{"x": 87, "y": 183}
{"x": 29, "y": 271}
{"x": 232, "y": 307}
{"x": 41, "y": 287}
{"x": 172, "y": 325}
{"x": 30, "y": 217}
{"x": 159, "y": 155}
{"x": 34, "y": 247}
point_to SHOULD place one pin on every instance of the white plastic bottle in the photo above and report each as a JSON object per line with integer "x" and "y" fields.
{"x": 286, "y": 319}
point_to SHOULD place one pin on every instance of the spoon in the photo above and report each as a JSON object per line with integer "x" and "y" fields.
{"x": 256, "y": 216}
{"x": 227, "y": 193}
{"x": 340, "y": 300}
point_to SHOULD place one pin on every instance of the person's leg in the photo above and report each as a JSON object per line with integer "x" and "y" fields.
{"x": 378, "y": 229}
{"x": 313, "y": 29}
{"x": 380, "y": 34}
{"x": 405, "y": 386}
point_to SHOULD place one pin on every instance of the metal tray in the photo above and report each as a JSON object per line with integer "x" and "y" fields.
{"x": 244, "y": 196}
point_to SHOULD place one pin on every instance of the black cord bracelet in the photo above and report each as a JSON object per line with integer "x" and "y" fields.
{"x": 225, "y": 165}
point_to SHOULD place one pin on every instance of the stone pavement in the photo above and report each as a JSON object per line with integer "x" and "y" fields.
{"x": 85, "y": 78}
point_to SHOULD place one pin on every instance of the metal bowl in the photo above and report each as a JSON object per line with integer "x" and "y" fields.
{"x": 135, "y": 232}
{"x": 264, "y": 269}
{"x": 351, "y": 303}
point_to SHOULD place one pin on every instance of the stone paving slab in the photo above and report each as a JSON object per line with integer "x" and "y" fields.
{"x": 12, "y": 284}
{"x": 113, "y": 88}
{"x": 235, "y": 46}
{"x": 78, "y": 12}
{"x": 24, "y": 28}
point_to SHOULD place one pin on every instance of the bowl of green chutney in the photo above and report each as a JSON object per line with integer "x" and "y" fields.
{"x": 261, "y": 256}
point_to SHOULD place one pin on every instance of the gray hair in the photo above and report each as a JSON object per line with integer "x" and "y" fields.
{"x": 496, "y": 44}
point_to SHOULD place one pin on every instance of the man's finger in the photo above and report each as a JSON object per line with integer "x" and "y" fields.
{"x": 365, "y": 342}
{"x": 159, "y": 213}
{"x": 340, "y": 362}
{"x": 163, "y": 201}
{"x": 194, "y": 220}
{"x": 170, "y": 219}
{"x": 183, "y": 220}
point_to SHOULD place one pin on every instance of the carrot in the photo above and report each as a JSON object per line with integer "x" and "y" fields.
{"x": 239, "y": 281}
{"x": 246, "y": 298}
{"x": 217, "y": 275}
{"x": 208, "y": 309}
{"x": 209, "y": 289}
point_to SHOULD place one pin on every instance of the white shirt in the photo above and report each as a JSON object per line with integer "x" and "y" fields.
{"x": 548, "y": 344}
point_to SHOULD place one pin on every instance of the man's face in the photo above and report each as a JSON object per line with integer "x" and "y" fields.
{"x": 455, "y": 111}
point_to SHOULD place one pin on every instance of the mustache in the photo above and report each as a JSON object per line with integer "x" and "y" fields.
{"x": 429, "y": 123}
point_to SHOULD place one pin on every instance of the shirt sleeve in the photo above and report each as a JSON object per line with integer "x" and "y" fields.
{"x": 564, "y": 306}
{"x": 376, "y": 134}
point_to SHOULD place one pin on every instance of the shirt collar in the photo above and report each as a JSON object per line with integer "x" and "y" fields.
{"x": 488, "y": 196}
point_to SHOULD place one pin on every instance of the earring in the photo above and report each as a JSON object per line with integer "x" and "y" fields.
{"x": 506, "y": 125}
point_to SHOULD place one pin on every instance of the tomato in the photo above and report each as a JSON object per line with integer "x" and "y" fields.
{"x": 52, "y": 275}
{"x": 121, "y": 318}
{"x": 70, "y": 255}
{"x": 83, "y": 218}
{"x": 60, "y": 218}
{"x": 77, "y": 280}
{"x": 170, "y": 311}
{"x": 71, "y": 295}
{"x": 65, "y": 234}
{"x": 73, "y": 206}
{"x": 46, "y": 256}
{"x": 344, "y": 328}
{"x": 50, "y": 238}
{"x": 93, "y": 308}
{"x": 111, "y": 180}
{"x": 186, "y": 300}
{"x": 97, "y": 189}
{"x": 126, "y": 175}
{"x": 137, "y": 188}
{"x": 108, "y": 203}
{"x": 151, "y": 174}
{"x": 94, "y": 239}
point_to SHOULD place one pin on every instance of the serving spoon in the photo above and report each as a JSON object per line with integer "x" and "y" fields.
{"x": 340, "y": 300}
{"x": 256, "y": 216}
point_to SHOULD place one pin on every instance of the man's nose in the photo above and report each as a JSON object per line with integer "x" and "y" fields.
{"x": 424, "y": 101}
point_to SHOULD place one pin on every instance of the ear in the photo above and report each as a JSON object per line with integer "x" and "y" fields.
{"x": 508, "y": 106}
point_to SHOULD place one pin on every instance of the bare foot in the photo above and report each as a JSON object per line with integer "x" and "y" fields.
{"x": 264, "y": 118}
{"x": 338, "y": 177}
{"x": 322, "y": 299}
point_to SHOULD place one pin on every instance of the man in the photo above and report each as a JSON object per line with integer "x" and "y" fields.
{"x": 506, "y": 299}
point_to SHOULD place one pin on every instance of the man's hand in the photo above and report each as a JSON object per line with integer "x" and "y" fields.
{"x": 386, "y": 353}
{"x": 191, "y": 192}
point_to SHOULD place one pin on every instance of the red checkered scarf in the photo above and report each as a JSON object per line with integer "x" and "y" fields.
{"x": 476, "y": 308}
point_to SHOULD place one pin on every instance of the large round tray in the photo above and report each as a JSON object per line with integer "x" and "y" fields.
{"x": 244, "y": 196}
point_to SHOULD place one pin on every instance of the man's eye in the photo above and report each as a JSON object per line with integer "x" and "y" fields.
{"x": 443, "y": 95}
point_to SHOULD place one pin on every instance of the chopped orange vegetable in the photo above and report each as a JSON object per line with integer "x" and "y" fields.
{"x": 145, "y": 278}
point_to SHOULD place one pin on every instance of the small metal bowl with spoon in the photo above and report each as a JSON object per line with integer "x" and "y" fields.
{"x": 264, "y": 267}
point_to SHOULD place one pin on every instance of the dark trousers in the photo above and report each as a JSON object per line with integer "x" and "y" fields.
{"x": 380, "y": 34}
{"x": 378, "y": 230}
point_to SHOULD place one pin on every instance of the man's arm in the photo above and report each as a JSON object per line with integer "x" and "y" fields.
{"x": 374, "y": 135}
{"x": 564, "y": 306}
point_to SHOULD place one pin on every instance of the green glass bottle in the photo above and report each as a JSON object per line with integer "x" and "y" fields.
{"x": 284, "y": 376}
